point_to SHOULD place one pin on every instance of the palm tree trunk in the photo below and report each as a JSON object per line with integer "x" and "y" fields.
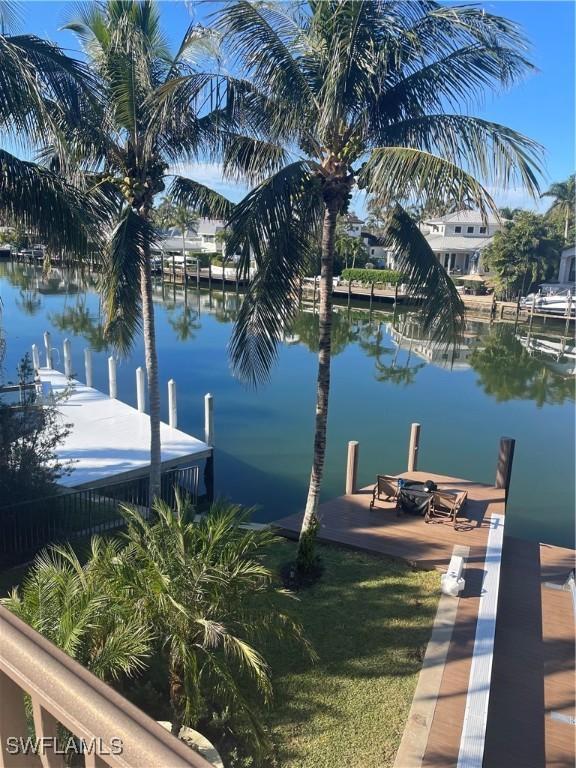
{"x": 152, "y": 373}
{"x": 324, "y": 352}
{"x": 566, "y": 220}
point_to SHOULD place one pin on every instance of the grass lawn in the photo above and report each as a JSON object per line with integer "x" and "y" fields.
{"x": 369, "y": 619}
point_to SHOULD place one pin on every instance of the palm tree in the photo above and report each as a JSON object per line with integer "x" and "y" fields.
{"x": 70, "y": 604}
{"x": 38, "y": 84}
{"x": 204, "y": 588}
{"x": 361, "y": 95}
{"x": 132, "y": 140}
{"x": 564, "y": 194}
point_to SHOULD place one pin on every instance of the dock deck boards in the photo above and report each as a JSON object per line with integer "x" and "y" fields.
{"x": 109, "y": 440}
{"x": 533, "y": 669}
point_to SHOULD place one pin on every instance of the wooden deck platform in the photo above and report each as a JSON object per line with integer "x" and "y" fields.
{"x": 532, "y": 685}
{"x": 109, "y": 440}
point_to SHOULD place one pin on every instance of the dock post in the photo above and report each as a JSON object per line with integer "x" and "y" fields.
{"x": 112, "y": 377}
{"x": 352, "y": 468}
{"x": 413, "y": 449}
{"x": 140, "y": 389}
{"x": 172, "y": 408}
{"x": 88, "y": 366}
{"x": 67, "y": 358}
{"x": 35, "y": 357}
{"x": 504, "y": 466}
{"x": 48, "y": 348}
{"x": 209, "y": 419}
{"x": 209, "y": 440}
{"x": 197, "y": 271}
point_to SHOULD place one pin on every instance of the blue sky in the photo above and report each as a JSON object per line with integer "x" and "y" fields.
{"x": 542, "y": 107}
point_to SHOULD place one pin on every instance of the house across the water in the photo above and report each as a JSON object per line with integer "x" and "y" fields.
{"x": 458, "y": 240}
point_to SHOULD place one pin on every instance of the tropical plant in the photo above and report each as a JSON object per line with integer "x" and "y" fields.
{"x": 564, "y": 194}
{"x": 38, "y": 84}
{"x": 71, "y": 605}
{"x": 360, "y": 94}
{"x": 212, "y": 601}
{"x": 524, "y": 253}
{"x": 29, "y": 436}
{"x": 132, "y": 139}
{"x": 349, "y": 249}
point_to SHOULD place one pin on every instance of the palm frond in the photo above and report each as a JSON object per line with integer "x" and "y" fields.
{"x": 130, "y": 243}
{"x": 492, "y": 152}
{"x": 200, "y": 198}
{"x": 42, "y": 202}
{"x": 426, "y": 281}
{"x": 274, "y": 224}
{"x": 406, "y": 173}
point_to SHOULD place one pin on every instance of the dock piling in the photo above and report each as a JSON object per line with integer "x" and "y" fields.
{"x": 209, "y": 419}
{"x": 172, "y": 407}
{"x": 140, "y": 389}
{"x": 48, "y": 348}
{"x": 414, "y": 446}
{"x": 67, "y": 358}
{"x": 504, "y": 466}
{"x": 35, "y": 357}
{"x": 112, "y": 377}
{"x": 88, "y": 366}
{"x": 352, "y": 468}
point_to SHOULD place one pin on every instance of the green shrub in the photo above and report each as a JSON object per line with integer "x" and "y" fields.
{"x": 375, "y": 276}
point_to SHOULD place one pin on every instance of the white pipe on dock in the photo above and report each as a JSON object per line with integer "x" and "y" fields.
{"x": 35, "y": 357}
{"x": 172, "y": 409}
{"x": 140, "y": 389}
{"x": 67, "y": 358}
{"x": 48, "y": 348}
{"x": 88, "y": 366}
{"x": 209, "y": 419}
{"x": 112, "y": 377}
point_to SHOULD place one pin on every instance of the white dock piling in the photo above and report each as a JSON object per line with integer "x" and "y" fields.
{"x": 140, "y": 389}
{"x": 88, "y": 366}
{"x": 413, "y": 448}
{"x": 209, "y": 419}
{"x": 172, "y": 409}
{"x": 35, "y": 357}
{"x": 48, "y": 348}
{"x": 352, "y": 468}
{"x": 112, "y": 377}
{"x": 67, "y": 358}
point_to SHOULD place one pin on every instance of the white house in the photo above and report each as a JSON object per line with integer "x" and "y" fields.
{"x": 201, "y": 238}
{"x": 458, "y": 239}
{"x": 377, "y": 253}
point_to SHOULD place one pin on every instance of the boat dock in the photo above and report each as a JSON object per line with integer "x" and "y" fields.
{"x": 109, "y": 441}
{"x": 497, "y": 683}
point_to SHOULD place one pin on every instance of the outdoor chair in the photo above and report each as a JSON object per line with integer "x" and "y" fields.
{"x": 446, "y": 504}
{"x": 387, "y": 487}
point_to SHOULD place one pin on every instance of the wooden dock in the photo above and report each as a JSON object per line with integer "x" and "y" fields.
{"x": 533, "y": 652}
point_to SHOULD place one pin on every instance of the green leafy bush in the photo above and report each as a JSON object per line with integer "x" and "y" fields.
{"x": 370, "y": 276}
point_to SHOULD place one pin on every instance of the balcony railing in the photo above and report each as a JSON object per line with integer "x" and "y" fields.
{"x": 113, "y": 731}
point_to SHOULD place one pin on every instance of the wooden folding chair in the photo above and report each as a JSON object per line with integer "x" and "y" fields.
{"x": 387, "y": 487}
{"x": 446, "y": 504}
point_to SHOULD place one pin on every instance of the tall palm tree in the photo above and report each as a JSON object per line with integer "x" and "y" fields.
{"x": 564, "y": 194}
{"x": 132, "y": 141}
{"x": 361, "y": 94}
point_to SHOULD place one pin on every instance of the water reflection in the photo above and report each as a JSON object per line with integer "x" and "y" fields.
{"x": 511, "y": 363}
{"x": 510, "y": 366}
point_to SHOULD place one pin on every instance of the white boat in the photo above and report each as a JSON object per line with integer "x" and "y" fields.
{"x": 551, "y": 301}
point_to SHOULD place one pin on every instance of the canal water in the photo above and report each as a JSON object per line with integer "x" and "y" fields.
{"x": 500, "y": 383}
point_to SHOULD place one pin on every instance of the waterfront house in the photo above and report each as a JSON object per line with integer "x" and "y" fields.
{"x": 378, "y": 255}
{"x": 458, "y": 240}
